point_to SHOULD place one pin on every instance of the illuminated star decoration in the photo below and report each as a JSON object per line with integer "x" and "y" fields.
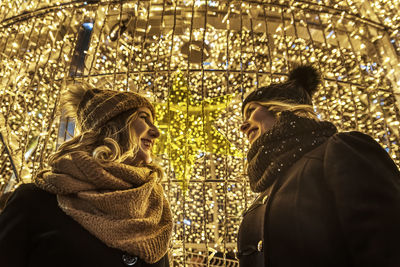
{"x": 187, "y": 129}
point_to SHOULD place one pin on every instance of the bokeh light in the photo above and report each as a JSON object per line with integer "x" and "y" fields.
{"x": 197, "y": 60}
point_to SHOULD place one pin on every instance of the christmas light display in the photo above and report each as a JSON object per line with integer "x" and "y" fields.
{"x": 195, "y": 60}
{"x": 187, "y": 129}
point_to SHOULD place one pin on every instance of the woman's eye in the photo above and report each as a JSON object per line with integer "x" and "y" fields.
{"x": 249, "y": 111}
{"x": 147, "y": 119}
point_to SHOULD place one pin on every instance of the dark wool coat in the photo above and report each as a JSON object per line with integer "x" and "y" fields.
{"x": 338, "y": 206}
{"x": 35, "y": 232}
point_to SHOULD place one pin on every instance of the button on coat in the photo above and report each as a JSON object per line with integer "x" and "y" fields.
{"x": 35, "y": 232}
{"x": 338, "y": 205}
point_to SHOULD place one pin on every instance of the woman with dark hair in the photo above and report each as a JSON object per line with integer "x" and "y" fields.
{"x": 101, "y": 202}
{"x": 325, "y": 198}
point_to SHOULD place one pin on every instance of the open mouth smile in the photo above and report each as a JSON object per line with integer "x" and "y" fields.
{"x": 251, "y": 133}
{"x": 147, "y": 143}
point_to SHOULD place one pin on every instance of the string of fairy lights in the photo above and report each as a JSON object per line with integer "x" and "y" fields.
{"x": 195, "y": 60}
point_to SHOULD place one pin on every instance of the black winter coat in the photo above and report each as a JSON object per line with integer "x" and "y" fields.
{"x": 35, "y": 232}
{"x": 338, "y": 206}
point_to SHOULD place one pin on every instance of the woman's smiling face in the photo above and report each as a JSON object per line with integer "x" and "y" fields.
{"x": 257, "y": 120}
{"x": 146, "y": 133}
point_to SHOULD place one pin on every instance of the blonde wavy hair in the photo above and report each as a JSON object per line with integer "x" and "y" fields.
{"x": 112, "y": 142}
{"x": 277, "y": 107}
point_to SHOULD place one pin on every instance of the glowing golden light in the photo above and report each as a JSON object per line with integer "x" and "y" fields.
{"x": 197, "y": 59}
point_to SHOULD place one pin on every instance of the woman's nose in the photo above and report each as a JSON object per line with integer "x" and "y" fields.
{"x": 245, "y": 125}
{"x": 154, "y": 132}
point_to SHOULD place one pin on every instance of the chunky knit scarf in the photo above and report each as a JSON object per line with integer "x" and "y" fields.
{"x": 122, "y": 205}
{"x": 279, "y": 148}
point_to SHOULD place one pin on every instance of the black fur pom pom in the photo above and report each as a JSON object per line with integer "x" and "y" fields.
{"x": 307, "y": 77}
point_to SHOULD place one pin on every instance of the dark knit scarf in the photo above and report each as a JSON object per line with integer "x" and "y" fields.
{"x": 122, "y": 205}
{"x": 278, "y": 149}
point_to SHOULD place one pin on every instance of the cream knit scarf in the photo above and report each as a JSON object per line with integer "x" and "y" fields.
{"x": 122, "y": 205}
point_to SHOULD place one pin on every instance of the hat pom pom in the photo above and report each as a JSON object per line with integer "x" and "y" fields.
{"x": 72, "y": 97}
{"x": 306, "y": 77}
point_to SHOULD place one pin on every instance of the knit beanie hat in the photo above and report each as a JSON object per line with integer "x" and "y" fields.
{"x": 302, "y": 84}
{"x": 93, "y": 107}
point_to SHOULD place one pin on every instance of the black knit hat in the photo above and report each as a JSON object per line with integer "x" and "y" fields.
{"x": 302, "y": 84}
{"x": 99, "y": 106}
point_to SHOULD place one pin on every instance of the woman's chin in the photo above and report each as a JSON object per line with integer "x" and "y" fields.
{"x": 144, "y": 156}
{"x": 140, "y": 158}
{"x": 148, "y": 160}
{"x": 253, "y": 139}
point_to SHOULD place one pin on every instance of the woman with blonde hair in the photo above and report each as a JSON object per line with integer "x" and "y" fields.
{"x": 326, "y": 199}
{"x": 101, "y": 202}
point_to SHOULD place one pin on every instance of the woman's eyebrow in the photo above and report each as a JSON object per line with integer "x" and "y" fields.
{"x": 144, "y": 112}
